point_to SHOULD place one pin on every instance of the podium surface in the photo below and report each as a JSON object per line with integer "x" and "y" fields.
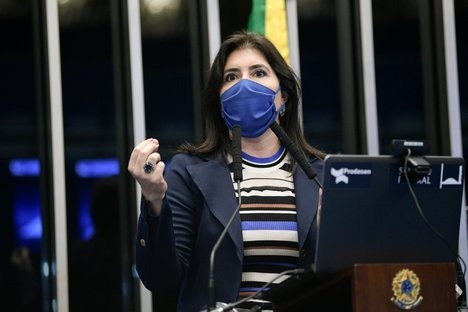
{"x": 385, "y": 287}
{"x": 381, "y": 287}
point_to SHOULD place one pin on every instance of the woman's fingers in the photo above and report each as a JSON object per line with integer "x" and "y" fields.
{"x": 146, "y": 167}
{"x": 141, "y": 152}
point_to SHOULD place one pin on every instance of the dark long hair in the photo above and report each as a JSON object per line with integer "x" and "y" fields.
{"x": 216, "y": 132}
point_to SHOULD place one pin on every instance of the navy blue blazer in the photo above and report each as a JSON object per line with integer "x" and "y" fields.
{"x": 173, "y": 249}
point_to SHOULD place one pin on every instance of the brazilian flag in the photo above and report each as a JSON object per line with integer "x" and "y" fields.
{"x": 268, "y": 17}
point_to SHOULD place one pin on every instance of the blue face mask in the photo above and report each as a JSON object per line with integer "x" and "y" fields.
{"x": 251, "y": 106}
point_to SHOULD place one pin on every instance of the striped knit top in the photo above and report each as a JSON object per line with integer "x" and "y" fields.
{"x": 268, "y": 217}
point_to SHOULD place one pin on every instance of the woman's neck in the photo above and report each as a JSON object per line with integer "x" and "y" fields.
{"x": 263, "y": 146}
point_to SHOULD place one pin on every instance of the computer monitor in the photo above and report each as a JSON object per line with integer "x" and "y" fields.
{"x": 368, "y": 214}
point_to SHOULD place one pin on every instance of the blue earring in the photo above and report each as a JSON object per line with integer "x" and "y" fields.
{"x": 282, "y": 110}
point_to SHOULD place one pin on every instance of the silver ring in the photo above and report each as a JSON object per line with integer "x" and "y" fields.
{"x": 148, "y": 167}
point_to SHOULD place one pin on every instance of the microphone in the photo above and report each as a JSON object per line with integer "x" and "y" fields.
{"x": 295, "y": 152}
{"x": 237, "y": 168}
{"x": 236, "y": 153}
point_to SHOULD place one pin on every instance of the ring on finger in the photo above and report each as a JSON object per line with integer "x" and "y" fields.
{"x": 148, "y": 167}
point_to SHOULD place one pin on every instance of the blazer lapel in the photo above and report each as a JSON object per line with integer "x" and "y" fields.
{"x": 306, "y": 203}
{"x": 214, "y": 181}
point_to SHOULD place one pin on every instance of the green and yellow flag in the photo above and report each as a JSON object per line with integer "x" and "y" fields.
{"x": 268, "y": 17}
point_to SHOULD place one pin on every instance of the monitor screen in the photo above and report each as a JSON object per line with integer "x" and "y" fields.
{"x": 368, "y": 213}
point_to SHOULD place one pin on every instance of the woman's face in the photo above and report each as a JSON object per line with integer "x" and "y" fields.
{"x": 250, "y": 64}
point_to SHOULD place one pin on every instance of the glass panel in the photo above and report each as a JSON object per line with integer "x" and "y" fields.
{"x": 168, "y": 73}
{"x": 399, "y": 67}
{"x": 320, "y": 74}
{"x": 21, "y": 222}
{"x": 98, "y": 233}
{"x": 171, "y": 79}
{"x": 461, "y": 19}
{"x": 233, "y": 15}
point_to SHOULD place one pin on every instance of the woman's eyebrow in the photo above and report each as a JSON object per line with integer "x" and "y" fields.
{"x": 257, "y": 66}
{"x": 231, "y": 70}
{"x": 251, "y": 67}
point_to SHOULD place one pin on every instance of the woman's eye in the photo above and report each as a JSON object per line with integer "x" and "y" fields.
{"x": 259, "y": 73}
{"x": 229, "y": 77}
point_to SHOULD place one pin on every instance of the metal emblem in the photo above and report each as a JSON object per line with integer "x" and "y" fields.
{"x": 406, "y": 288}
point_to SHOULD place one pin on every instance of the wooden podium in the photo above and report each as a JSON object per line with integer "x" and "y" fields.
{"x": 421, "y": 287}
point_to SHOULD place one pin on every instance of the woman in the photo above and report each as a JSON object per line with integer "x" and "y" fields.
{"x": 184, "y": 211}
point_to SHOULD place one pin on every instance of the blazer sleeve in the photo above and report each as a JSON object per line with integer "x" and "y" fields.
{"x": 164, "y": 243}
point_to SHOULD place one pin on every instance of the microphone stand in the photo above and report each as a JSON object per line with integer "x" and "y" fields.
{"x": 295, "y": 152}
{"x": 211, "y": 277}
{"x": 237, "y": 168}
